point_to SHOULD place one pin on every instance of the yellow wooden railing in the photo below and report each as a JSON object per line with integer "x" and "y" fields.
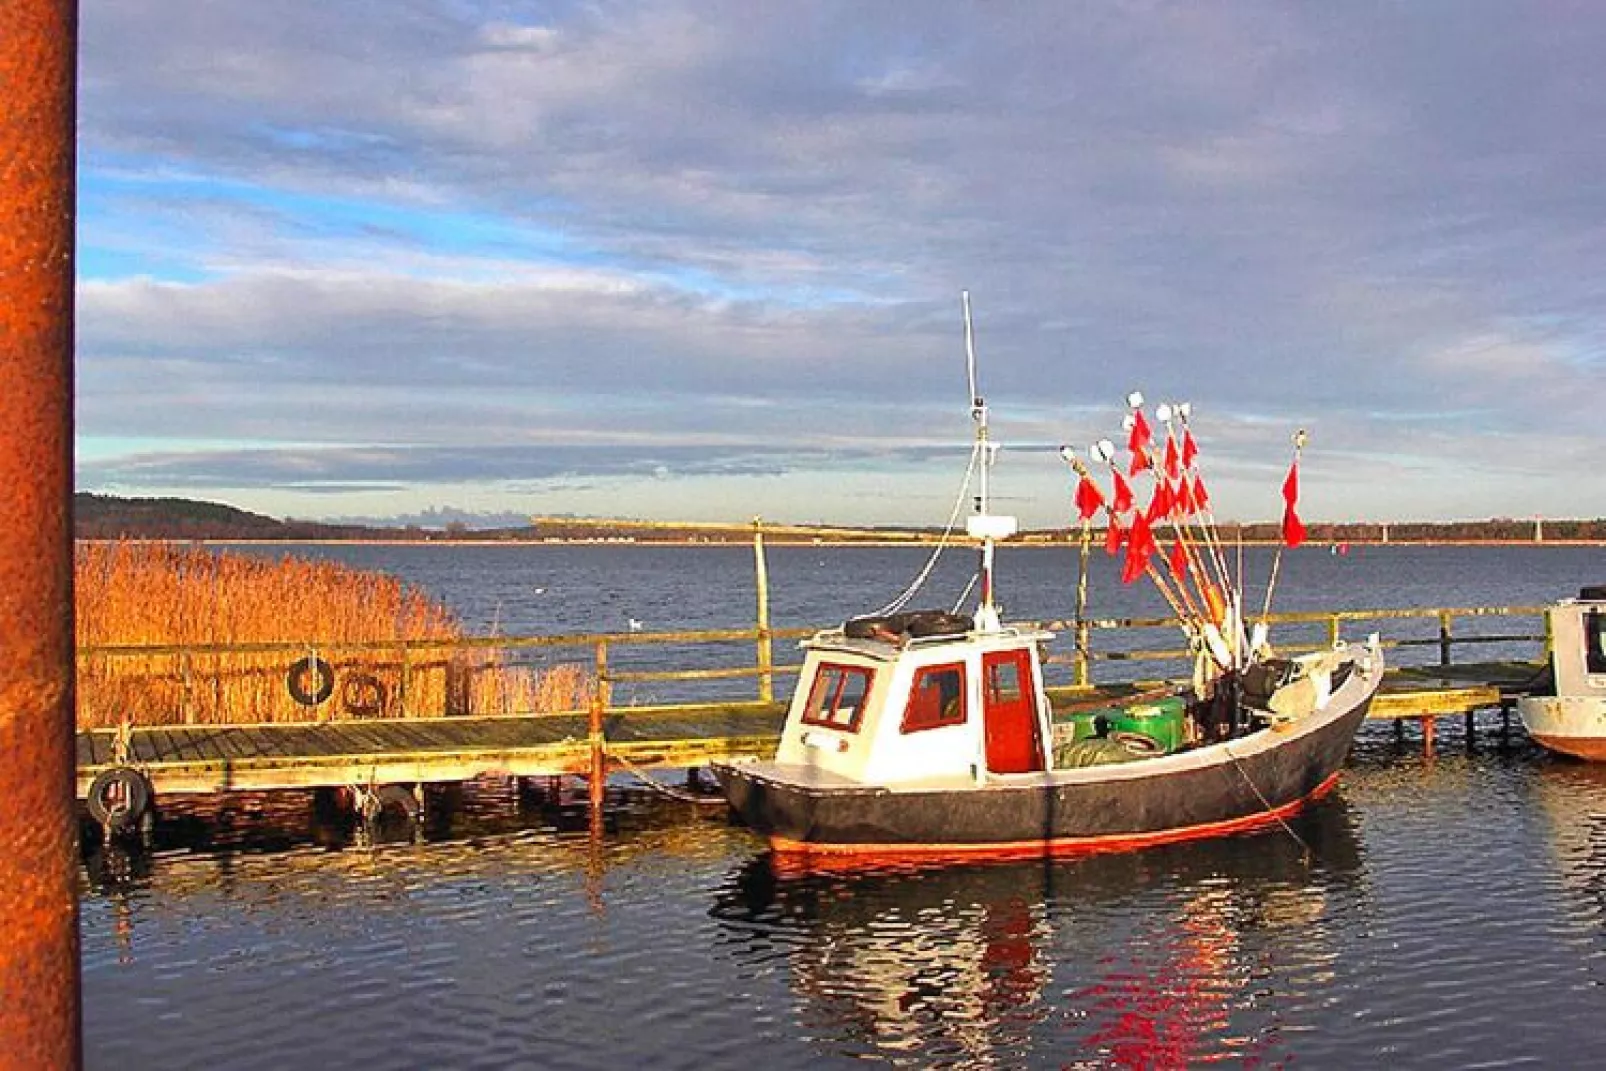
{"x": 1445, "y": 641}
{"x": 599, "y": 653}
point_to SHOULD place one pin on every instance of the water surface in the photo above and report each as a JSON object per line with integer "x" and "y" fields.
{"x": 1430, "y": 913}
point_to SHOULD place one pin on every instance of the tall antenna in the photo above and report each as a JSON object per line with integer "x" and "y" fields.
{"x": 983, "y": 525}
{"x": 970, "y": 353}
{"x": 978, "y": 407}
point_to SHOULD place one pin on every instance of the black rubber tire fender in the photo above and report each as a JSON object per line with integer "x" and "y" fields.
{"x": 363, "y": 694}
{"x": 310, "y": 680}
{"x": 400, "y": 797}
{"x": 119, "y": 797}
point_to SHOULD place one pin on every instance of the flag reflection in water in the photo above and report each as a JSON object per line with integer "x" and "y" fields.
{"x": 1160, "y": 958}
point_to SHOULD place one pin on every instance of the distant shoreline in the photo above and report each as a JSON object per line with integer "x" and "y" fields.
{"x": 772, "y": 541}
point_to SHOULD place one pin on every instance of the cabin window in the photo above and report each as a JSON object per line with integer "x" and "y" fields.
{"x": 937, "y": 698}
{"x": 837, "y": 699}
{"x": 1003, "y": 683}
{"x": 1595, "y": 641}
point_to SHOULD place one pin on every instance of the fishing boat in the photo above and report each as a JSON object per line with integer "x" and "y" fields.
{"x": 930, "y": 734}
{"x": 1566, "y": 710}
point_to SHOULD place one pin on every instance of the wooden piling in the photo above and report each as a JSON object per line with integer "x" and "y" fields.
{"x": 598, "y": 779}
{"x": 766, "y": 654}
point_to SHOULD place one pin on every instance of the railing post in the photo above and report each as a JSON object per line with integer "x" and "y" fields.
{"x": 599, "y": 757}
{"x": 401, "y": 686}
{"x": 766, "y": 653}
{"x": 185, "y": 702}
{"x": 1444, "y": 637}
{"x": 39, "y": 960}
{"x": 1082, "y": 634}
{"x": 1332, "y": 631}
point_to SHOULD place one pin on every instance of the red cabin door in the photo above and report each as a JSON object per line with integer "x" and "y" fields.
{"x": 1009, "y": 713}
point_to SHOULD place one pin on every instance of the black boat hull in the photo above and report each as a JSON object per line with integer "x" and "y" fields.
{"x": 1208, "y": 792}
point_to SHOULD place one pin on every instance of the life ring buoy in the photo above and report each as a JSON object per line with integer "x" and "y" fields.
{"x": 310, "y": 680}
{"x": 363, "y": 694}
{"x": 118, "y": 798}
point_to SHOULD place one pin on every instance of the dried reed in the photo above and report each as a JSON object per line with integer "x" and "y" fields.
{"x": 171, "y": 599}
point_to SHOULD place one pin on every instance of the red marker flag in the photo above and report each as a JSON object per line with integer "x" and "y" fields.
{"x": 1163, "y": 502}
{"x": 1173, "y": 463}
{"x": 1178, "y": 561}
{"x": 1123, "y": 495}
{"x": 1088, "y": 499}
{"x": 1293, "y": 527}
{"x": 1190, "y": 450}
{"x": 1201, "y": 498}
{"x": 1112, "y": 537}
{"x": 1187, "y": 504}
{"x": 1138, "y": 441}
{"x": 1140, "y": 547}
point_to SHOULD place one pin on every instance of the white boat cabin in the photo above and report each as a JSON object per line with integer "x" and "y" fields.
{"x": 880, "y": 705}
{"x": 1578, "y": 636}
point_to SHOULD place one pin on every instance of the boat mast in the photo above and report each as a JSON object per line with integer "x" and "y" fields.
{"x": 983, "y": 525}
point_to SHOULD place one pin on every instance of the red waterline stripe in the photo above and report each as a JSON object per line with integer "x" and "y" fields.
{"x": 1020, "y": 849}
{"x": 1582, "y": 747}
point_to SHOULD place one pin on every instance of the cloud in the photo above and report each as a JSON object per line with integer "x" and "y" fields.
{"x": 452, "y": 231}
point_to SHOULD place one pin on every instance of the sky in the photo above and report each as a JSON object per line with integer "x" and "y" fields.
{"x": 703, "y": 260}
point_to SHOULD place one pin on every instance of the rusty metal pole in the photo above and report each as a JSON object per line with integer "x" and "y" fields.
{"x": 39, "y": 973}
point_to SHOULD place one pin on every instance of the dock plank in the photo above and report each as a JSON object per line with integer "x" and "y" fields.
{"x": 354, "y": 738}
{"x": 157, "y": 745}
{"x": 415, "y": 736}
{"x": 436, "y": 733}
{"x": 209, "y": 744}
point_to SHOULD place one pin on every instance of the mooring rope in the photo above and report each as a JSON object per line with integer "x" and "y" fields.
{"x": 1264, "y": 802}
{"x": 658, "y": 786}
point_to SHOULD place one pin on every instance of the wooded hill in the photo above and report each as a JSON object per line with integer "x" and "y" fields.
{"x": 110, "y": 517}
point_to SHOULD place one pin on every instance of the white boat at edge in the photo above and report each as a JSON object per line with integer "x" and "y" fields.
{"x": 1572, "y": 719}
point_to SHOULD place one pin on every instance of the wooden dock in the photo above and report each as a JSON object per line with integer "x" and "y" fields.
{"x": 225, "y": 758}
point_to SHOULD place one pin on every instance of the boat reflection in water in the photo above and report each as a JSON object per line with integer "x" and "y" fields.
{"x": 1163, "y": 957}
{"x": 1571, "y": 796}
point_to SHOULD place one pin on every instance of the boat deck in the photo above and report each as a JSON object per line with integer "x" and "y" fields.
{"x": 222, "y": 758}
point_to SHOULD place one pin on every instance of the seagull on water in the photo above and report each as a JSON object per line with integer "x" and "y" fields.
{"x": 635, "y": 626}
